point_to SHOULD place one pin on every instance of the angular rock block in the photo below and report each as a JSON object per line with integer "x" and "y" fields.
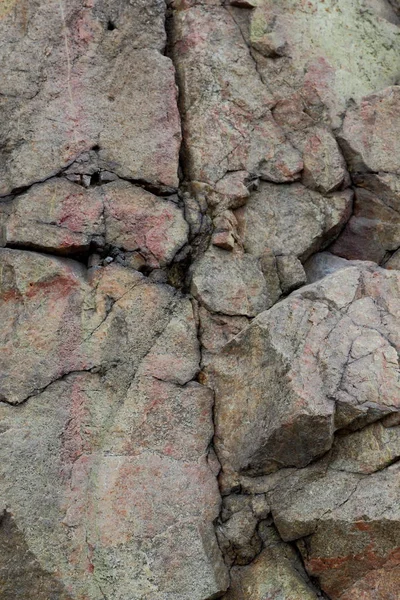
{"x": 291, "y": 219}
{"x": 324, "y": 359}
{"x": 369, "y": 134}
{"x": 105, "y": 477}
{"x": 350, "y": 525}
{"x": 106, "y": 86}
{"x": 276, "y": 574}
{"x": 227, "y": 123}
{"x": 234, "y": 283}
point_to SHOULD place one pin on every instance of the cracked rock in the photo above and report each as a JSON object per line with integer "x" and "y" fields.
{"x": 375, "y": 118}
{"x": 323, "y": 359}
{"x": 290, "y": 219}
{"x": 65, "y": 218}
{"x": 275, "y": 574}
{"x": 373, "y": 231}
{"x": 233, "y": 283}
{"x": 73, "y": 85}
{"x": 56, "y": 216}
{"x": 291, "y": 273}
{"x": 110, "y": 424}
{"x": 237, "y": 535}
{"x": 351, "y": 524}
{"x": 224, "y": 99}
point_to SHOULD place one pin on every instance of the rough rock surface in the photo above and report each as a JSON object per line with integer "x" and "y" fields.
{"x": 276, "y": 574}
{"x": 370, "y": 143}
{"x": 79, "y": 76}
{"x": 324, "y": 359}
{"x": 110, "y": 424}
{"x": 199, "y": 290}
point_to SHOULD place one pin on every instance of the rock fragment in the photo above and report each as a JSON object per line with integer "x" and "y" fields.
{"x": 290, "y": 219}
{"x": 323, "y": 359}
{"x": 233, "y": 283}
{"x": 276, "y": 573}
{"x": 110, "y": 423}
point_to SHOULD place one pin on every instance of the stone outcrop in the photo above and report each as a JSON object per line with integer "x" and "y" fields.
{"x": 199, "y": 299}
{"x": 370, "y": 144}
{"x": 324, "y": 359}
{"x": 110, "y": 422}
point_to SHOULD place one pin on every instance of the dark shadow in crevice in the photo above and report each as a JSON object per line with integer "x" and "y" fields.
{"x": 21, "y": 575}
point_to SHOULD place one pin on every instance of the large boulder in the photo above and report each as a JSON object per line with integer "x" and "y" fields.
{"x": 106, "y": 86}
{"x": 324, "y": 359}
{"x": 110, "y": 424}
{"x": 227, "y": 123}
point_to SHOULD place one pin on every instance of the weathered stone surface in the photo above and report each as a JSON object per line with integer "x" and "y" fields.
{"x": 65, "y": 218}
{"x": 396, "y": 5}
{"x": 136, "y": 220}
{"x": 374, "y": 228}
{"x": 368, "y": 450}
{"x": 233, "y": 283}
{"x": 225, "y": 230}
{"x": 394, "y": 261}
{"x": 290, "y": 219}
{"x": 110, "y": 424}
{"x": 237, "y": 534}
{"x": 275, "y": 574}
{"x": 352, "y": 528}
{"x": 323, "y": 359}
{"x": 106, "y": 85}
{"x": 369, "y": 135}
{"x": 227, "y": 123}
{"x": 291, "y": 273}
{"x": 21, "y": 574}
{"x": 216, "y": 330}
{"x": 324, "y": 166}
{"x": 42, "y": 300}
{"x": 324, "y": 263}
{"x": 57, "y": 216}
{"x": 122, "y": 398}
{"x": 314, "y": 62}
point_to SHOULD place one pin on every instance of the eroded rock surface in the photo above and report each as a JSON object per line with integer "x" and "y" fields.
{"x": 199, "y": 379}
{"x": 324, "y": 359}
{"x": 80, "y": 76}
{"x": 370, "y": 142}
{"x": 111, "y": 423}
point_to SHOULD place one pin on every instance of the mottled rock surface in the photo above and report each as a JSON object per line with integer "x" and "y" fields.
{"x": 369, "y": 140}
{"x": 79, "y": 76}
{"x": 111, "y": 423}
{"x": 200, "y": 303}
{"x": 324, "y": 359}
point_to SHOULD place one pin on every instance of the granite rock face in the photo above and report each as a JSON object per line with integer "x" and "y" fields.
{"x": 199, "y": 290}
{"x": 370, "y": 144}
{"x": 324, "y": 359}
{"x": 110, "y": 423}
{"x": 79, "y": 76}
